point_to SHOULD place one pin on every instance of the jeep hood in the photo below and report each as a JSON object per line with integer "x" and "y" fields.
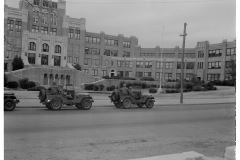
{"x": 83, "y": 94}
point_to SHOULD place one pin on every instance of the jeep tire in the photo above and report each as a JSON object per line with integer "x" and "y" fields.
{"x": 149, "y": 103}
{"x": 86, "y": 104}
{"x": 127, "y": 103}
{"x": 9, "y": 105}
{"x": 56, "y": 104}
{"x": 78, "y": 105}
{"x": 140, "y": 105}
{"x": 118, "y": 105}
{"x": 42, "y": 95}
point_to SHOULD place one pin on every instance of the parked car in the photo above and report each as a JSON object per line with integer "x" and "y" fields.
{"x": 10, "y": 101}
{"x": 37, "y": 88}
{"x": 120, "y": 100}
{"x": 55, "y": 97}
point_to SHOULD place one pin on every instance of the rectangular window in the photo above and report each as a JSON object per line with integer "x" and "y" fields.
{"x": 111, "y": 42}
{"x": 168, "y": 76}
{"x": 44, "y": 30}
{"x": 200, "y": 54}
{"x": 5, "y": 67}
{"x": 86, "y": 71}
{"x": 95, "y": 72}
{"x": 44, "y": 59}
{"x": 214, "y": 65}
{"x": 18, "y": 25}
{"x": 213, "y": 77}
{"x": 57, "y": 60}
{"x": 95, "y": 62}
{"x": 120, "y": 73}
{"x": 35, "y": 16}
{"x": 126, "y": 44}
{"x": 231, "y": 51}
{"x": 200, "y": 65}
{"x": 70, "y": 33}
{"x": 95, "y": 51}
{"x": 36, "y": 2}
{"x": 54, "y": 5}
{"x": 53, "y": 31}
{"x": 215, "y": 53}
{"x": 147, "y": 74}
{"x": 178, "y": 76}
{"x": 139, "y": 74}
{"x": 126, "y": 54}
{"x": 45, "y": 3}
{"x": 107, "y": 52}
{"x": 120, "y": 63}
{"x": 93, "y": 40}
{"x": 69, "y": 59}
{"x": 148, "y": 64}
{"x": 159, "y": 65}
{"x": 157, "y": 75}
{"x": 168, "y": 65}
{"x": 190, "y": 65}
{"x": 128, "y": 64}
{"x": 76, "y": 60}
{"x": 35, "y": 29}
{"x": 104, "y": 73}
{"x": 114, "y": 53}
{"x": 78, "y": 34}
{"x": 139, "y": 64}
{"x": 31, "y": 58}
{"x": 128, "y": 74}
{"x": 10, "y": 24}
{"x": 87, "y": 61}
{"x": 88, "y": 50}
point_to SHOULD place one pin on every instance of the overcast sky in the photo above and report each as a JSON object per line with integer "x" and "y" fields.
{"x": 212, "y": 20}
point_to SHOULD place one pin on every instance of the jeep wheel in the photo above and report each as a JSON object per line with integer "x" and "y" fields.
{"x": 78, "y": 105}
{"x": 127, "y": 103}
{"x": 86, "y": 104}
{"x": 118, "y": 105}
{"x": 149, "y": 103}
{"x": 56, "y": 104}
{"x": 9, "y": 105}
{"x": 42, "y": 95}
{"x": 140, "y": 105}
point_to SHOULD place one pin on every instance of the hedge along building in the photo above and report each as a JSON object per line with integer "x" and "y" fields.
{"x": 61, "y": 41}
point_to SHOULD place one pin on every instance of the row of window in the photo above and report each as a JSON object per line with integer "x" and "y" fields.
{"x": 44, "y": 59}
{"x": 215, "y": 53}
{"x": 92, "y": 51}
{"x": 45, "y": 3}
{"x": 190, "y": 65}
{"x": 214, "y": 65}
{"x": 10, "y": 25}
{"x": 45, "y": 47}
{"x": 94, "y": 62}
{"x": 43, "y": 16}
{"x": 231, "y": 51}
{"x": 200, "y": 65}
{"x": 44, "y": 30}
{"x": 200, "y": 54}
{"x": 112, "y": 53}
{"x": 71, "y": 34}
{"x": 71, "y": 59}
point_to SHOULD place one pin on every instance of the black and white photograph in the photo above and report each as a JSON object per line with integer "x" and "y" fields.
{"x": 119, "y": 80}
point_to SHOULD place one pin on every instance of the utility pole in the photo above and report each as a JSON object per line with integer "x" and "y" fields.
{"x": 182, "y": 65}
{"x": 161, "y": 66}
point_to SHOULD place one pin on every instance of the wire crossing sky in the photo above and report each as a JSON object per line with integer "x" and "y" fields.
{"x": 212, "y": 20}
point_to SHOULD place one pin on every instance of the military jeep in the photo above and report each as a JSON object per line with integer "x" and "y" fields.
{"x": 10, "y": 101}
{"x": 125, "y": 101}
{"x": 55, "y": 97}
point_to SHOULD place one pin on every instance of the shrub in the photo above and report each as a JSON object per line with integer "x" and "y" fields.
{"x": 12, "y": 84}
{"x": 101, "y": 87}
{"x": 154, "y": 86}
{"x": 203, "y": 89}
{"x": 17, "y": 63}
{"x": 147, "y": 79}
{"x": 214, "y": 88}
{"x": 88, "y": 87}
{"x": 152, "y": 90}
{"x": 31, "y": 84}
{"x": 197, "y": 88}
{"x": 136, "y": 84}
{"x": 110, "y": 88}
{"x": 77, "y": 67}
{"x": 144, "y": 85}
{"x": 24, "y": 83}
{"x": 95, "y": 88}
{"x": 189, "y": 86}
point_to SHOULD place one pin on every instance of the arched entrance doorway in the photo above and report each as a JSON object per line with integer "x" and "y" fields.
{"x": 45, "y": 79}
{"x": 112, "y": 73}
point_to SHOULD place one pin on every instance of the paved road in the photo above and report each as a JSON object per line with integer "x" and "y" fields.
{"x": 110, "y": 133}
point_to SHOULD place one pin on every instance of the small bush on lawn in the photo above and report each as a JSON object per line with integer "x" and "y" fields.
{"x": 12, "y": 84}
{"x": 203, "y": 89}
{"x": 147, "y": 79}
{"x": 110, "y": 88}
{"x": 197, "y": 88}
{"x": 152, "y": 90}
{"x": 31, "y": 84}
{"x": 88, "y": 86}
{"x": 24, "y": 83}
{"x": 136, "y": 84}
{"x": 214, "y": 88}
{"x": 101, "y": 87}
{"x": 95, "y": 88}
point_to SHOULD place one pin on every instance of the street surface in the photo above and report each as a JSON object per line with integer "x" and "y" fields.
{"x": 108, "y": 133}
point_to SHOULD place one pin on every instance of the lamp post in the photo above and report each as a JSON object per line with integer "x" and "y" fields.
{"x": 161, "y": 66}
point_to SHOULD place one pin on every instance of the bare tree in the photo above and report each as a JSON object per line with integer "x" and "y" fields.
{"x": 231, "y": 70}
